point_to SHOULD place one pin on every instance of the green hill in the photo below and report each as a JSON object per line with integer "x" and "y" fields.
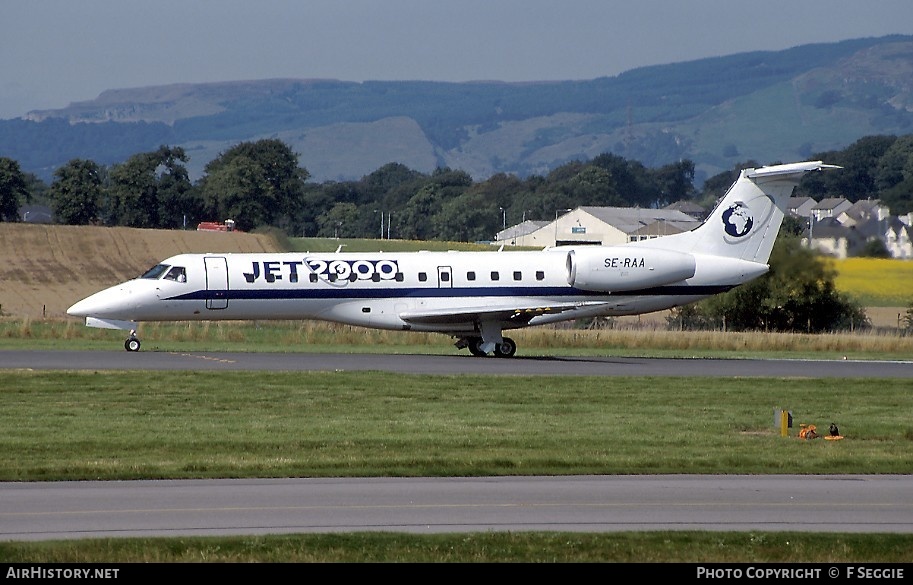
{"x": 766, "y": 106}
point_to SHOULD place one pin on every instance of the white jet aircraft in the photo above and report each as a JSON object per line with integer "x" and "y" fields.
{"x": 471, "y": 296}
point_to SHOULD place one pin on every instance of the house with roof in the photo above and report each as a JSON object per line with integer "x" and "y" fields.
{"x": 841, "y": 229}
{"x": 830, "y": 207}
{"x": 511, "y": 234}
{"x": 862, "y": 211}
{"x": 36, "y": 214}
{"x": 691, "y": 208}
{"x": 600, "y": 226}
{"x": 898, "y": 238}
{"x": 830, "y": 237}
{"x": 801, "y": 206}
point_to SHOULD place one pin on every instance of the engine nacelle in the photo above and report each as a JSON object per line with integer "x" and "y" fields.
{"x": 623, "y": 268}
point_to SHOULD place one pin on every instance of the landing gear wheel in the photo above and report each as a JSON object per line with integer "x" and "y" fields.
{"x": 473, "y": 344}
{"x": 507, "y": 348}
{"x": 132, "y": 344}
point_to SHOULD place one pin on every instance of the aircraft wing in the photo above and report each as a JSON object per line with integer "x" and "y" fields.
{"x": 518, "y": 313}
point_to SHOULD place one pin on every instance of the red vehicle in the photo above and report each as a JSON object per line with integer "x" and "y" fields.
{"x": 213, "y": 226}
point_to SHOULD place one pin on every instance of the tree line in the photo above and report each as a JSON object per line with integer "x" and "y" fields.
{"x": 262, "y": 184}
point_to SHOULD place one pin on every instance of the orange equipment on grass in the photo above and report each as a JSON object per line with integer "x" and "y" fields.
{"x": 808, "y": 432}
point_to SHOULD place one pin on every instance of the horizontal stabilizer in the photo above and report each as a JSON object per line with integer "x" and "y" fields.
{"x": 790, "y": 169}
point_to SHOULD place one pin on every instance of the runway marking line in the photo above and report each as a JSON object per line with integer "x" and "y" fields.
{"x": 203, "y": 357}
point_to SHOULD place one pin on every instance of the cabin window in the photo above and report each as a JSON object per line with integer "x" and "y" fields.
{"x": 540, "y": 275}
{"x": 422, "y": 277}
{"x": 155, "y": 272}
{"x": 400, "y": 277}
{"x": 331, "y": 277}
{"x": 312, "y": 277}
{"x": 375, "y": 277}
{"x": 471, "y": 275}
{"x": 445, "y": 277}
{"x": 177, "y": 274}
{"x": 518, "y": 275}
{"x": 366, "y": 309}
{"x": 495, "y": 275}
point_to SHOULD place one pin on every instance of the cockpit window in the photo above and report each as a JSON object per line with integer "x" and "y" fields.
{"x": 155, "y": 272}
{"x": 176, "y": 273}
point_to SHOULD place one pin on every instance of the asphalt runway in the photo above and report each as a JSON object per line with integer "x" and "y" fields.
{"x": 68, "y": 510}
{"x": 450, "y": 364}
{"x": 65, "y": 510}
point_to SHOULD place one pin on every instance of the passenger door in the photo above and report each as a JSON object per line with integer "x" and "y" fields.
{"x": 216, "y": 282}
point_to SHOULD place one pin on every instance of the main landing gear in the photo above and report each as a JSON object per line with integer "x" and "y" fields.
{"x": 505, "y": 348}
{"x": 132, "y": 343}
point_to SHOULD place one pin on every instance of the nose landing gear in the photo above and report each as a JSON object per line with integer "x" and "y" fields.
{"x": 132, "y": 343}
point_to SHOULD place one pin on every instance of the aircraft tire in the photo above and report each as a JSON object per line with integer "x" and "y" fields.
{"x": 507, "y": 348}
{"x": 473, "y": 343}
{"x": 132, "y": 344}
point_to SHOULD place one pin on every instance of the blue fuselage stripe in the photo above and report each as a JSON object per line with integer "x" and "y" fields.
{"x": 423, "y": 292}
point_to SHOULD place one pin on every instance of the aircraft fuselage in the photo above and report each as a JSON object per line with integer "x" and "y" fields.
{"x": 378, "y": 289}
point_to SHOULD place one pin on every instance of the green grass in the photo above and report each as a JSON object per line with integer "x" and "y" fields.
{"x": 556, "y": 547}
{"x": 311, "y": 336}
{"x": 130, "y": 425}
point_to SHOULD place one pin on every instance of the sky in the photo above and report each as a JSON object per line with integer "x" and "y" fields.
{"x": 55, "y": 52}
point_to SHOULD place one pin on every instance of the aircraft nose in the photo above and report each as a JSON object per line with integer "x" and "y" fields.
{"x": 77, "y": 309}
{"x": 111, "y": 302}
{"x": 89, "y": 306}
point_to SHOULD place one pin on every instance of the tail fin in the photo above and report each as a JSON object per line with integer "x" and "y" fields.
{"x": 745, "y": 222}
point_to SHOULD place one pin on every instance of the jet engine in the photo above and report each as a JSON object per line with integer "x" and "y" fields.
{"x": 625, "y": 268}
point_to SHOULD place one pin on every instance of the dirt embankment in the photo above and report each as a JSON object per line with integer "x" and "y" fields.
{"x": 46, "y": 268}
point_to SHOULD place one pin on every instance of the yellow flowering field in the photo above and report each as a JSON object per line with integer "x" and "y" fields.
{"x": 875, "y": 281}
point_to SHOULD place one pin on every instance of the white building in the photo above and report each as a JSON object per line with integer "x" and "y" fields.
{"x": 898, "y": 239}
{"x": 842, "y": 229}
{"x": 830, "y": 207}
{"x": 599, "y": 225}
{"x": 801, "y": 206}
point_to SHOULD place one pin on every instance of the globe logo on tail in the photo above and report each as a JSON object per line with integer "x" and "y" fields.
{"x": 737, "y": 220}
